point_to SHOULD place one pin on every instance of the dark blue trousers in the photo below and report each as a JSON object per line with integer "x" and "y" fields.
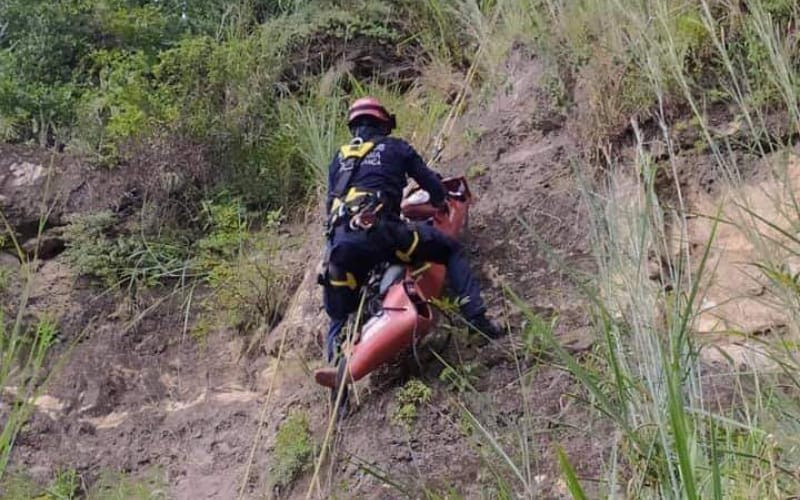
{"x": 358, "y": 252}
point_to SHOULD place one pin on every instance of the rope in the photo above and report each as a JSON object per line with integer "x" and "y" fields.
{"x": 335, "y": 409}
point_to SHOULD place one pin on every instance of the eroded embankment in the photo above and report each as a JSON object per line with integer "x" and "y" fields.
{"x": 135, "y": 392}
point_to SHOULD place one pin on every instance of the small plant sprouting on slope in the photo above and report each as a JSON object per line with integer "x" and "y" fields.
{"x": 409, "y": 398}
{"x": 67, "y": 484}
{"x": 22, "y": 356}
{"x": 293, "y": 451}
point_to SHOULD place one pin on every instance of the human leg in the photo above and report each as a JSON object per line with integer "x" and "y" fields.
{"x": 437, "y": 247}
{"x": 340, "y": 302}
{"x": 351, "y": 258}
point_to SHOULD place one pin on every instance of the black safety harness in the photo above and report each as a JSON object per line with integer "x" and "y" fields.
{"x": 349, "y": 202}
{"x": 357, "y": 208}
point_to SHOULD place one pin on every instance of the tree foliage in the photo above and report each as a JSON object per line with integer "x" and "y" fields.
{"x": 93, "y": 75}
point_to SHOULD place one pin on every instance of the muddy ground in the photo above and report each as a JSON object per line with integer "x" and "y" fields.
{"x": 136, "y": 393}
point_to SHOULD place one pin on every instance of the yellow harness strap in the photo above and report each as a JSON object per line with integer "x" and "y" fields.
{"x": 350, "y": 282}
{"x": 406, "y": 256}
{"x": 353, "y": 195}
{"x": 421, "y": 269}
{"x": 356, "y": 150}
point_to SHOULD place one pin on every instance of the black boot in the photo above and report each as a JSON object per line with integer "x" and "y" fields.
{"x": 482, "y": 325}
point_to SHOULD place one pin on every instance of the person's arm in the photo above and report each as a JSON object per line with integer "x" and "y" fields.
{"x": 425, "y": 177}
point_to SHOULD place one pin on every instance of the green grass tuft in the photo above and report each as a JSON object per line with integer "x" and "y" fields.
{"x": 293, "y": 451}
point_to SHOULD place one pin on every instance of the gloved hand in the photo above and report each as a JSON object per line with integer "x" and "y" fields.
{"x": 412, "y": 185}
{"x": 442, "y": 206}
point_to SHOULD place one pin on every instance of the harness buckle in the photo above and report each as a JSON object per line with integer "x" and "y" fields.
{"x": 363, "y": 220}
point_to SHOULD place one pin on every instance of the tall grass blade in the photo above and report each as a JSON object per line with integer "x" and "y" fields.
{"x": 495, "y": 445}
{"x": 573, "y": 485}
{"x": 716, "y": 474}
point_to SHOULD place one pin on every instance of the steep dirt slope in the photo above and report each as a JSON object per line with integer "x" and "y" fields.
{"x": 137, "y": 393}
{"x": 131, "y": 391}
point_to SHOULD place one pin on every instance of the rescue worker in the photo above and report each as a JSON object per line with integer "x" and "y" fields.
{"x": 365, "y": 187}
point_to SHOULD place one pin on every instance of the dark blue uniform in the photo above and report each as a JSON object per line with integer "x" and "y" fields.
{"x": 386, "y": 169}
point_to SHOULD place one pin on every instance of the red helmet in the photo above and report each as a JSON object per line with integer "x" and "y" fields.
{"x": 370, "y": 106}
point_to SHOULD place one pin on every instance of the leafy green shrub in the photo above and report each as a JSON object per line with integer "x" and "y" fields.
{"x": 413, "y": 394}
{"x": 96, "y": 74}
{"x": 226, "y": 229}
{"x": 251, "y": 286}
{"x": 125, "y": 104}
{"x": 47, "y": 47}
{"x": 477, "y": 170}
{"x": 45, "y": 39}
{"x": 293, "y": 450}
{"x": 96, "y": 249}
{"x": 144, "y": 27}
{"x": 253, "y": 289}
{"x": 123, "y": 254}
